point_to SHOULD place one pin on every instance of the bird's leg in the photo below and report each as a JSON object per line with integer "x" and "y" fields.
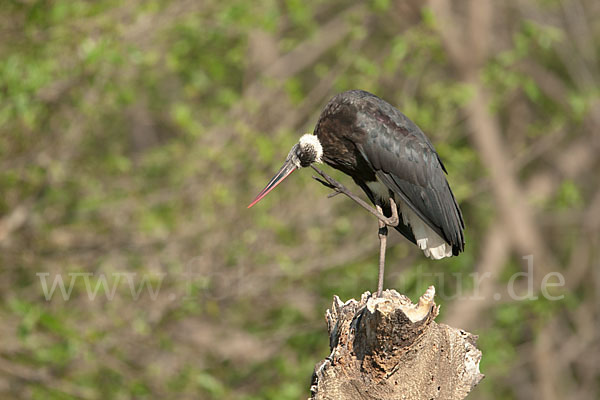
{"x": 383, "y": 231}
{"x": 383, "y": 221}
{"x": 339, "y": 188}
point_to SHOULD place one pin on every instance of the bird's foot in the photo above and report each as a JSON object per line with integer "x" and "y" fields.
{"x": 394, "y": 220}
{"x": 338, "y": 188}
{"x": 326, "y": 184}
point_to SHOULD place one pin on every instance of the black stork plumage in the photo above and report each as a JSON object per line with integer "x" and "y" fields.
{"x": 393, "y": 162}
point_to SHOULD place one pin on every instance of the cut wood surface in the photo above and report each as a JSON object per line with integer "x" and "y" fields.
{"x": 389, "y": 348}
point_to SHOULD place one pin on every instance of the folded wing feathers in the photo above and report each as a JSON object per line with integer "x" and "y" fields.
{"x": 413, "y": 171}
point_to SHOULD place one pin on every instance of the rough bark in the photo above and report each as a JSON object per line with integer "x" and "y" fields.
{"x": 390, "y": 348}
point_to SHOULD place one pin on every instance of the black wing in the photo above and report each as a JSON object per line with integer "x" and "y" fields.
{"x": 406, "y": 162}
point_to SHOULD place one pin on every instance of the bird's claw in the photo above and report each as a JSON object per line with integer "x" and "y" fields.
{"x": 336, "y": 190}
{"x": 394, "y": 220}
{"x": 324, "y": 183}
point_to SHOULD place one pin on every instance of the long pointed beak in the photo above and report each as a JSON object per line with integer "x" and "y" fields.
{"x": 286, "y": 169}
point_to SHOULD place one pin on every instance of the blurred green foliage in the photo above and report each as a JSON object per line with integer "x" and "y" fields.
{"x": 133, "y": 135}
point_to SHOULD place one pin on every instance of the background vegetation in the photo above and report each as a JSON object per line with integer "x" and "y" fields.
{"x": 133, "y": 134}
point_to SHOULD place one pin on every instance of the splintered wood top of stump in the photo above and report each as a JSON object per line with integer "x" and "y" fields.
{"x": 389, "y": 348}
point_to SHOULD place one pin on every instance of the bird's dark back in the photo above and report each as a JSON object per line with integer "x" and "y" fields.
{"x": 349, "y": 118}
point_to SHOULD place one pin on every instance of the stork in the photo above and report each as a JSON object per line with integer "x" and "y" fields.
{"x": 393, "y": 162}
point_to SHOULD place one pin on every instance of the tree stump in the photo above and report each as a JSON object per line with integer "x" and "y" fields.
{"x": 390, "y": 348}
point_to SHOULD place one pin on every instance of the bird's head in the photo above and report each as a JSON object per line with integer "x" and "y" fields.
{"x": 308, "y": 150}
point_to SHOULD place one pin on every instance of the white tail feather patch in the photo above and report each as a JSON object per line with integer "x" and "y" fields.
{"x": 430, "y": 242}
